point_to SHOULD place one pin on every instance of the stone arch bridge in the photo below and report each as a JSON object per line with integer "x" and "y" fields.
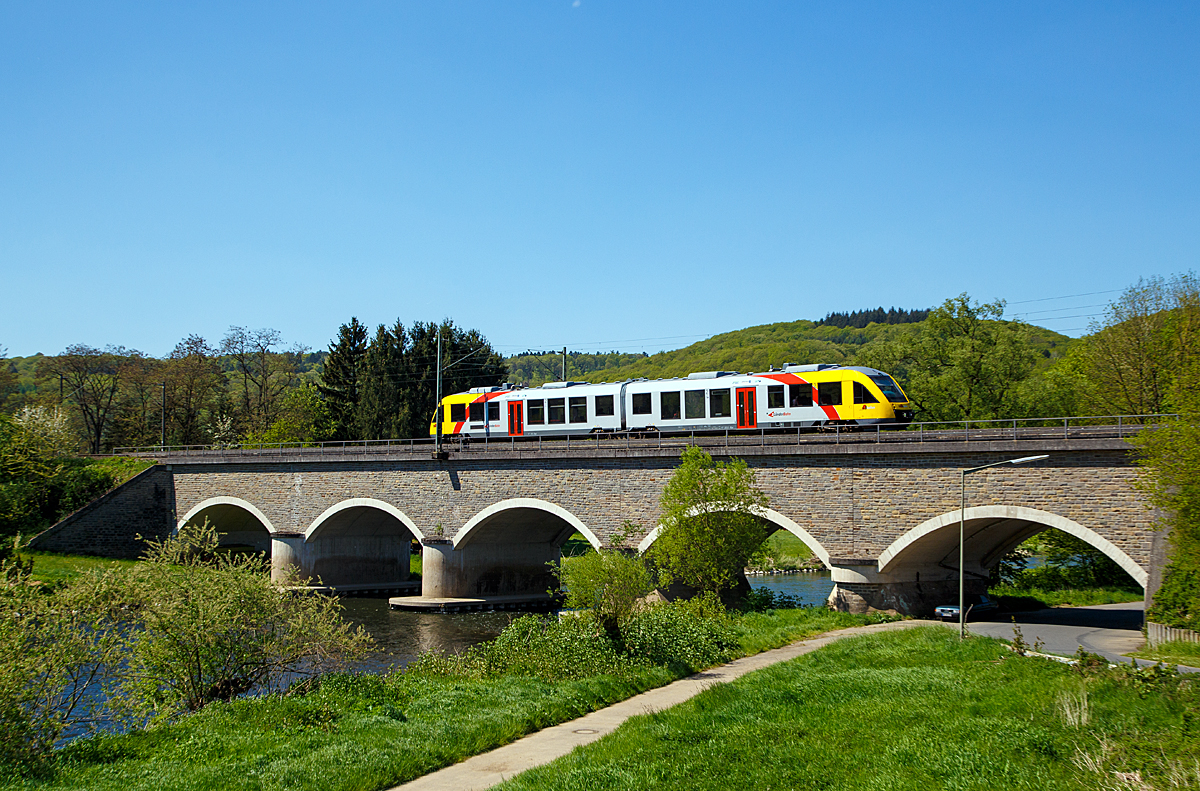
{"x": 882, "y": 516}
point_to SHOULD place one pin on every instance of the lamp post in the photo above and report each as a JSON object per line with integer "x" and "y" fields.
{"x": 962, "y": 519}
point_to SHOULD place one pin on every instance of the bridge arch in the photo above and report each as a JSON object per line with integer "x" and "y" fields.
{"x": 239, "y": 523}
{"x": 523, "y": 519}
{"x": 769, "y": 516}
{"x": 361, "y": 516}
{"x": 991, "y": 531}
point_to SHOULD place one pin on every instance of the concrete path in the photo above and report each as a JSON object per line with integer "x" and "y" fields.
{"x": 489, "y": 769}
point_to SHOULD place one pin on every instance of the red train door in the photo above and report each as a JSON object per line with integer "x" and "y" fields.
{"x": 516, "y": 421}
{"x": 747, "y": 410}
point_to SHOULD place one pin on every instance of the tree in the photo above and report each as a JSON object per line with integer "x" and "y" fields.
{"x": 608, "y": 583}
{"x": 1134, "y": 355}
{"x": 138, "y": 417}
{"x": 397, "y": 382}
{"x": 382, "y": 407}
{"x": 468, "y": 360}
{"x": 303, "y": 418}
{"x": 92, "y": 381}
{"x": 194, "y": 390}
{"x": 340, "y": 378}
{"x": 53, "y": 654}
{"x": 262, "y": 374}
{"x": 709, "y": 529}
{"x": 964, "y": 363}
{"x": 8, "y": 377}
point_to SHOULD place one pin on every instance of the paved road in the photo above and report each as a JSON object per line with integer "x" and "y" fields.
{"x": 1110, "y": 630}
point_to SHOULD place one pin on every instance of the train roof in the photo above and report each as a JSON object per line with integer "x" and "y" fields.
{"x": 698, "y": 375}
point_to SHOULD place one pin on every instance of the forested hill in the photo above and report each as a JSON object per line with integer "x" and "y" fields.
{"x": 752, "y": 349}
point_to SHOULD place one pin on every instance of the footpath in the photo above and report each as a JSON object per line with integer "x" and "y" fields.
{"x": 491, "y": 768}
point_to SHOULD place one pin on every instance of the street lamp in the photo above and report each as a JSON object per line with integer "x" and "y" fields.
{"x": 962, "y": 519}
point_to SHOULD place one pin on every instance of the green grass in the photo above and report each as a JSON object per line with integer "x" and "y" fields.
{"x": 122, "y": 468}
{"x": 909, "y": 710}
{"x": 1014, "y": 599}
{"x": 368, "y": 732}
{"x": 786, "y": 552}
{"x": 1174, "y": 652}
{"x": 52, "y": 568}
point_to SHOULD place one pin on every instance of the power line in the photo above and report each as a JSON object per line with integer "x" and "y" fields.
{"x": 1068, "y": 296}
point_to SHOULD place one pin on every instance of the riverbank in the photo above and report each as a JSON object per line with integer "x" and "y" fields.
{"x": 909, "y": 710}
{"x": 375, "y": 731}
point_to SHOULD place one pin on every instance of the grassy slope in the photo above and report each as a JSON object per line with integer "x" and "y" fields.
{"x": 1024, "y": 598}
{"x": 367, "y": 735}
{"x": 50, "y": 568}
{"x": 746, "y": 350}
{"x": 911, "y": 710}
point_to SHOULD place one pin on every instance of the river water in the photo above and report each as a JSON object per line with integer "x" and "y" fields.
{"x": 402, "y": 636}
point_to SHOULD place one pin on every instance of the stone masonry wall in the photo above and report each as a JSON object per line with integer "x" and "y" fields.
{"x": 854, "y": 505}
{"x": 108, "y": 526}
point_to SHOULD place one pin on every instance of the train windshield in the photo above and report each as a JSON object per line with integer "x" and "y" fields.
{"x": 891, "y": 390}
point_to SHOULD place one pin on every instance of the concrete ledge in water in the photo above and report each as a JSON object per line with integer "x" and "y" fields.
{"x": 532, "y": 602}
{"x": 368, "y": 589}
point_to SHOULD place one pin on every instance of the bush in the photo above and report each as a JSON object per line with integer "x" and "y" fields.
{"x": 607, "y": 584}
{"x": 1177, "y": 602}
{"x": 200, "y": 626}
{"x": 684, "y": 636}
{"x": 549, "y": 648}
{"x": 51, "y": 653}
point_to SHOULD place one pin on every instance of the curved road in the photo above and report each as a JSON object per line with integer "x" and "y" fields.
{"x": 1110, "y": 630}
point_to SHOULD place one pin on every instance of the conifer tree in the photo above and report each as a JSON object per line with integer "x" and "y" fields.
{"x": 340, "y": 378}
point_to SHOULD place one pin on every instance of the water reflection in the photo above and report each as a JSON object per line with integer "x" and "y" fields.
{"x": 403, "y": 636}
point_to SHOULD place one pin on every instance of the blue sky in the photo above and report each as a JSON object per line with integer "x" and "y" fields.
{"x": 597, "y": 174}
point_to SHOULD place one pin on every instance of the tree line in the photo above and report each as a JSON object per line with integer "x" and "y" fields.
{"x": 252, "y": 387}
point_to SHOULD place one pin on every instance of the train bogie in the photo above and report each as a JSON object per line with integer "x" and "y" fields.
{"x": 796, "y": 396}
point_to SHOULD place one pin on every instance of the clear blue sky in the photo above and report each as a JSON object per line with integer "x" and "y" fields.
{"x": 604, "y": 175}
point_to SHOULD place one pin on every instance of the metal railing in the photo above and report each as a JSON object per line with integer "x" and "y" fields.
{"x": 1019, "y": 429}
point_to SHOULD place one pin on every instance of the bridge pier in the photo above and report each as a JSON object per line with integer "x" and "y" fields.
{"x": 486, "y": 569}
{"x": 344, "y": 560}
{"x": 860, "y": 587}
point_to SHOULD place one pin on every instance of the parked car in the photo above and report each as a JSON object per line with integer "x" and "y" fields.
{"x": 977, "y": 606}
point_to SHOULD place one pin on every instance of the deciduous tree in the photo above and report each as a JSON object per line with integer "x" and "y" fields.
{"x": 709, "y": 529}
{"x": 963, "y": 363}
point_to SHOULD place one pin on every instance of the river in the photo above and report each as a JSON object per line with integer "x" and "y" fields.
{"x": 402, "y": 636}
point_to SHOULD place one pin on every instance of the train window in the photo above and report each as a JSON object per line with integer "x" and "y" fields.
{"x": 458, "y": 413}
{"x": 889, "y": 388}
{"x": 829, "y": 393}
{"x": 693, "y": 404}
{"x": 800, "y": 395}
{"x": 493, "y": 410}
{"x": 718, "y": 403}
{"x": 641, "y": 403}
{"x": 604, "y": 406}
{"x": 537, "y": 412}
{"x": 557, "y": 410}
{"x": 862, "y": 395}
{"x": 476, "y": 412}
{"x": 670, "y": 406}
{"x": 579, "y": 409}
{"x": 775, "y": 397}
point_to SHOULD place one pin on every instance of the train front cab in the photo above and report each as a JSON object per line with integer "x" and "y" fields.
{"x": 871, "y": 397}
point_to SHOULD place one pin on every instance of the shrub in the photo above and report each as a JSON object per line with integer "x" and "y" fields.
{"x": 51, "y": 654}
{"x": 549, "y": 648}
{"x": 200, "y": 626}
{"x": 685, "y": 636}
{"x": 607, "y": 584}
